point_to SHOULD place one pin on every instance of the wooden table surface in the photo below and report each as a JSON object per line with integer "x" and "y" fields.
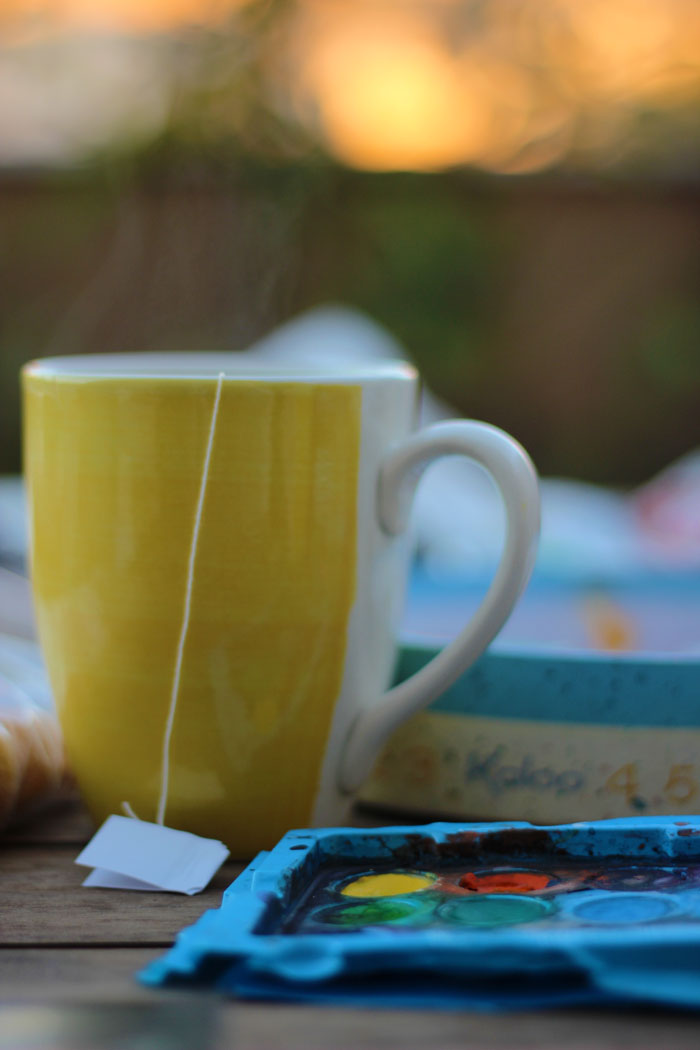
{"x": 68, "y": 956}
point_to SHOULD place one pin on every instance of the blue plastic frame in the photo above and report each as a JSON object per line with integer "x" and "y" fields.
{"x": 429, "y": 966}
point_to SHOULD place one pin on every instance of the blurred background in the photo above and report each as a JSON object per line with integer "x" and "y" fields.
{"x": 506, "y": 191}
{"x": 510, "y": 187}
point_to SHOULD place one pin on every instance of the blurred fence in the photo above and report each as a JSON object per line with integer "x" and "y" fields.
{"x": 565, "y": 311}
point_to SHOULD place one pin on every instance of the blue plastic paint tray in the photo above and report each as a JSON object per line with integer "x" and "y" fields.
{"x": 459, "y": 915}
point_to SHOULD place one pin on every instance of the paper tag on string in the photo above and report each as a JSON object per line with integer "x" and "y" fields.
{"x": 130, "y": 854}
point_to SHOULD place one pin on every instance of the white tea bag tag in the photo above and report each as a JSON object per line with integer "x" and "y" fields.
{"x": 129, "y": 854}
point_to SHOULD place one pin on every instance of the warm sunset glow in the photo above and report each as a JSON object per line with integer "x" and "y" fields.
{"x": 509, "y": 86}
{"x": 118, "y": 15}
{"x": 606, "y": 56}
{"x": 621, "y": 47}
{"x": 394, "y": 88}
{"x": 390, "y": 98}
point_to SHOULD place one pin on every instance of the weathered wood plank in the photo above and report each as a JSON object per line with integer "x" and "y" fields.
{"x": 182, "y": 1024}
{"x": 43, "y": 903}
{"x": 49, "y": 975}
{"x": 70, "y": 823}
{"x": 66, "y": 822}
{"x": 101, "y": 978}
{"x": 63, "y": 946}
{"x": 279, "y": 1027}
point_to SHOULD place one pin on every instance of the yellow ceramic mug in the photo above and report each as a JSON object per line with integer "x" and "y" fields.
{"x": 218, "y": 564}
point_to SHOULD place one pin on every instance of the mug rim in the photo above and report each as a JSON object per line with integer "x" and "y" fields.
{"x": 207, "y": 366}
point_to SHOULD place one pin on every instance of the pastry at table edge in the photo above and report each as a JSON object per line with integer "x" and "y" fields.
{"x": 32, "y": 762}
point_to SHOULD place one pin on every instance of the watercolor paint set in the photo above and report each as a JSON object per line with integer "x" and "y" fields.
{"x": 459, "y": 915}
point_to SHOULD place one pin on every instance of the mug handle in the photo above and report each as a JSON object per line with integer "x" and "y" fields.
{"x": 514, "y": 474}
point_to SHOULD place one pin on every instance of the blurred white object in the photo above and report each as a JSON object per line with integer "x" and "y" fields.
{"x": 340, "y": 334}
{"x": 16, "y": 607}
{"x": 667, "y": 513}
{"x": 588, "y": 532}
{"x": 13, "y": 521}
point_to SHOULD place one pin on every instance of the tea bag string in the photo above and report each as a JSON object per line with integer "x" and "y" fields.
{"x": 175, "y": 689}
